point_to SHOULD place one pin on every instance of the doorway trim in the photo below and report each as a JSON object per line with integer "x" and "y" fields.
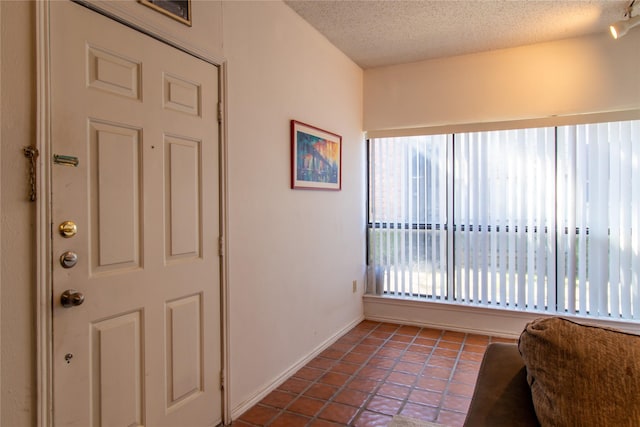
{"x": 44, "y": 320}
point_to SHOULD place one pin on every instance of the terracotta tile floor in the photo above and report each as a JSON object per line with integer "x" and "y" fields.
{"x": 375, "y": 371}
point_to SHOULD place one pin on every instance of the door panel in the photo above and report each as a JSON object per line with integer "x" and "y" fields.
{"x": 116, "y": 368}
{"x": 115, "y": 175}
{"x": 184, "y": 343}
{"x": 183, "y": 198}
{"x": 143, "y": 348}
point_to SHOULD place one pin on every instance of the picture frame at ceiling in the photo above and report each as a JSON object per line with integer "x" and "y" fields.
{"x": 316, "y": 158}
{"x": 180, "y": 10}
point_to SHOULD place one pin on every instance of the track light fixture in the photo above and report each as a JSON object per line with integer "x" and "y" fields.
{"x": 621, "y": 28}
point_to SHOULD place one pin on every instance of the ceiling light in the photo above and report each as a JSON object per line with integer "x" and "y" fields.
{"x": 621, "y": 28}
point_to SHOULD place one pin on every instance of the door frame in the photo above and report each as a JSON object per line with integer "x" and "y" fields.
{"x": 44, "y": 226}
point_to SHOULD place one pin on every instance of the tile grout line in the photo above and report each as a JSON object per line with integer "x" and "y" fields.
{"x": 391, "y": 370}
{"x": 424, "y": 367}
{"x": 352, "y": 376}
{"x": 451, "y": 375}
{"x": 363, "y": 365}
{"x": 344, "y": 385}
{"x": 317, "y": 380}
{"x": 359, "y": 336}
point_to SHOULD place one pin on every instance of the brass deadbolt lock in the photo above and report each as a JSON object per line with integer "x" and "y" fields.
{"x": 68, "y": 229}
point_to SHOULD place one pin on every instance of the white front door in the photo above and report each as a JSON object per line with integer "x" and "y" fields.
{"x": 135, "y": 143}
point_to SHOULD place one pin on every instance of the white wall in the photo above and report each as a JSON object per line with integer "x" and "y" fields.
{"x": 293, "y": 253}
{"x": 573, "y": 76}
{"x": 17, "y": 216}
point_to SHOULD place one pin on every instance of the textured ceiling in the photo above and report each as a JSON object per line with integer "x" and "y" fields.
{"x": 376, "y": 33}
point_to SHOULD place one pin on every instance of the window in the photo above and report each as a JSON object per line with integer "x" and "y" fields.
{"x": 543, "y": 219}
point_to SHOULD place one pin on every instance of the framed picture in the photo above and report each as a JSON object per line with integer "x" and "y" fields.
{"x": 180, "y": 10}
{"x": 316, "y": 158}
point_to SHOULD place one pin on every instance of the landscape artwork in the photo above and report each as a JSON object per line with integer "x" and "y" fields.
{"x": 316, "y": 157}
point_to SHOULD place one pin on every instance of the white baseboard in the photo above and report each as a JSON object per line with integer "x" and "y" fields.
{"x": 469, "y": 319}
{"x": 276, "y": 382}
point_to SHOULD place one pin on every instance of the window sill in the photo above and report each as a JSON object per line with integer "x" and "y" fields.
{"x": 477, "y": 320}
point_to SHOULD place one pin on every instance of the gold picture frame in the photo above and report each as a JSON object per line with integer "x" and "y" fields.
{"x": 180, "y": 10}
{"x": 316, "y": 158}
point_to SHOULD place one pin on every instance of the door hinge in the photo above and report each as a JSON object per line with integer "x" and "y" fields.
{"x": 220, "y": 112}
{"x": 221, "y": 246}
{"x": 222, "y": 380}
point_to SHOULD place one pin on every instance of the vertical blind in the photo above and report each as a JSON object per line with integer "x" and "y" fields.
{"x": 504, "y": 239}
{"x": 599, "y": 212}
{"x": 408, "y": 215}
{"x": 543, "y": 219}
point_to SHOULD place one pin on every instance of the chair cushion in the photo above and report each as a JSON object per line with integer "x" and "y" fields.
{"x": 582, "y": 375}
